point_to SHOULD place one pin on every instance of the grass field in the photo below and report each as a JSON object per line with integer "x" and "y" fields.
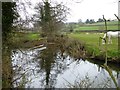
{"x": 32, "y": 36}
{"x": 92, "y": 43}
{"x": 97, "y": 26}
{"x": 22, "y": 37}
{"x": 28, "y": 36}
{"x": 26, "y": 40}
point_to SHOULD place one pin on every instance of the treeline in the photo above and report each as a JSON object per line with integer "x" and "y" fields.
{"x": 90, "y": 21}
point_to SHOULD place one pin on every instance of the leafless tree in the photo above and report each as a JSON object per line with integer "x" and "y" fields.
{"x": 51, "y": 17}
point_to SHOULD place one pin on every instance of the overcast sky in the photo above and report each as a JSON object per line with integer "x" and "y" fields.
{"x": 88, "y": 9}
{"x": 94, "y": 9}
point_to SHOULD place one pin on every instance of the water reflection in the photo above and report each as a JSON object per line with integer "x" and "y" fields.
{"x": 49, "y": 67}
{"x": 118, "y": 77}
{"x": 47, "y": 59}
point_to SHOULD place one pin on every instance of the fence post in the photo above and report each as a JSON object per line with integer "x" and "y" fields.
{"x": 105, "y": 40}
{"x": 118, "y": 18}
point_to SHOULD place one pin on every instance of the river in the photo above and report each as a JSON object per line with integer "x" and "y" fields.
{"x": 47, "y": 67}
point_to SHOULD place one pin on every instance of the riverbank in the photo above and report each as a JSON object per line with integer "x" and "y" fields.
{"x": 26, "y": 40}
{"x": 95, "y": 49}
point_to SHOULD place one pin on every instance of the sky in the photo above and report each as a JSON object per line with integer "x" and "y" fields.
{"x": 94, "y": 9}
{"x": 87, "y": 9}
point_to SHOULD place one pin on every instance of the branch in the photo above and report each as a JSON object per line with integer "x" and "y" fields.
{"x": 19, "y": 77}
{"x": 117, "y": 17}
{"x": 105, "y": 23}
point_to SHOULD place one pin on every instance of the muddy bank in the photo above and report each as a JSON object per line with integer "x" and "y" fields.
{"x": 102, "y": 58}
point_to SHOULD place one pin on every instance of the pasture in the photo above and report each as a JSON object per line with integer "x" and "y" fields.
{"x": 27, "y": 40}
{"x": 112, "y": 25}
{"x": 28, "y": 36}
{"x": 91, "y": 41}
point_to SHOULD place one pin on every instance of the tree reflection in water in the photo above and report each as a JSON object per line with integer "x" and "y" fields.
{"x": 47, "y": 60}
{"x": 42, "y": 67}
{"x": 54, "y": 57}
{"x": 53, "y": 61}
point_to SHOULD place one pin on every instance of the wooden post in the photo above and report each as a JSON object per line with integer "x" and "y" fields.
{"x": 118, "y": 18}
{"x": 111, "y": 75}
{"x": 105, "y": 40}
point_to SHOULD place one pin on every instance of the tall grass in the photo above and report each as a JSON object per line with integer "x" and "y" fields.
{"x": 92, "y": 43}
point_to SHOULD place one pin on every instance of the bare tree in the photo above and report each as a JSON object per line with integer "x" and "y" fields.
{"x": 23, "y": 8}
{"x": 51, "y": 17}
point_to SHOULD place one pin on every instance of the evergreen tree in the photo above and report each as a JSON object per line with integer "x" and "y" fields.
{"x": 87, "y": 21}
{"x": 9, "y": 14}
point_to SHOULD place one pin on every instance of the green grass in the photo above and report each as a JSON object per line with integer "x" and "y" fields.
{"x": 86, "y": 28}
{"x": 92, "y": 43}
{"x": 27, "y": 40}
{"x": 97, "y": 26}
{"x": 27, "y": 36}
{"x": 102, "y": 23}
{"x": 32, "y": 36}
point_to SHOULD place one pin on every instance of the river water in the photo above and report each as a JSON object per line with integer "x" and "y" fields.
{"x": 46, "y": 67}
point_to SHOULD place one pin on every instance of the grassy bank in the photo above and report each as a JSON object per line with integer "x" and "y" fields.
{"x": 91, "y": 40}
{"x": 92, "y": 45}
{"x": 27, "y": 40}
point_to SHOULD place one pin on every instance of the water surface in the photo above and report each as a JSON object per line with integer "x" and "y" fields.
{"x": 47, "y": 67}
